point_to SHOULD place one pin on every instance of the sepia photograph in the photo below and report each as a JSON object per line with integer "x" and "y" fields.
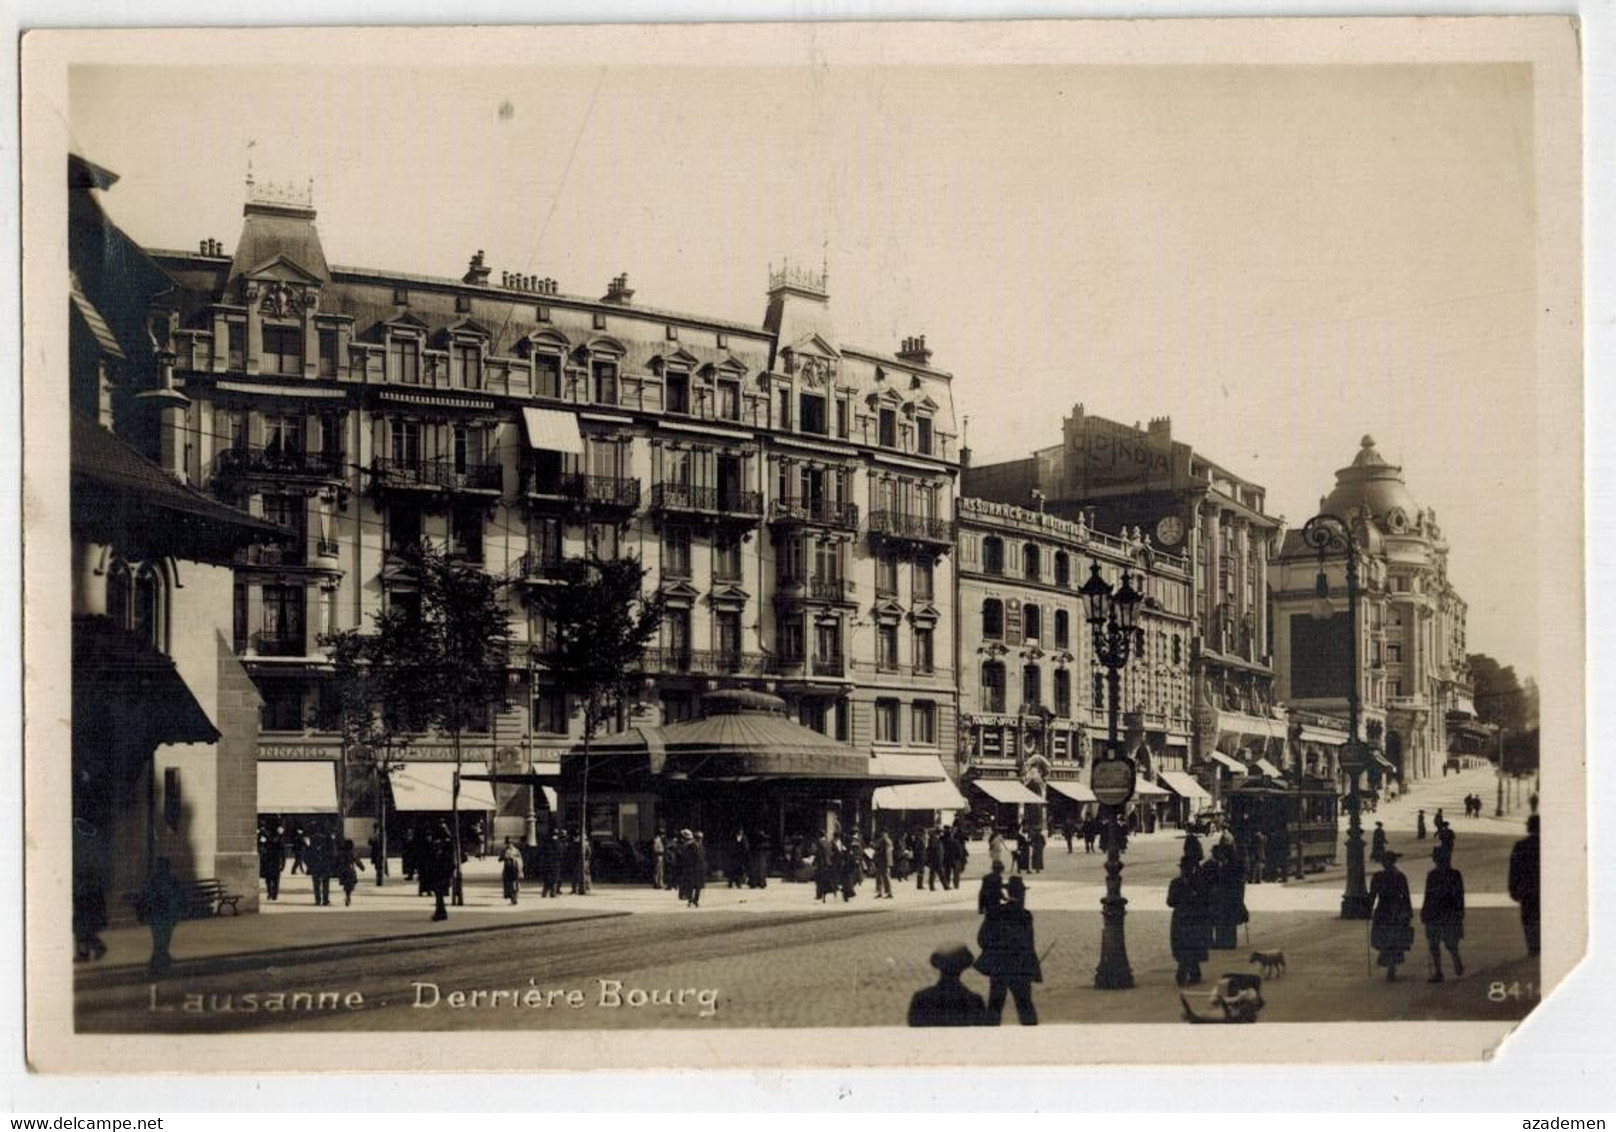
{"x": 769, "y": 533}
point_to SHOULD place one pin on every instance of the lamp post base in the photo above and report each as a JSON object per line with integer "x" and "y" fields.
{"x": 1114, "y": 971}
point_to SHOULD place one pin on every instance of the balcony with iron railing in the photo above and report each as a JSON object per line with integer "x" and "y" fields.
{"x": 829, "y": 666}
{"x": 902, "y": 526}
{"x": 450, "y": 475}
{"x": 704, "y": 662}
{"x": 612, "y": 492}
{"x": 819, "y": 512}
{"x": 803, "y": 587}
{"x": 680, "y": 497}
{"x": 277, "y": 462}
{"x": 543, "y": 566}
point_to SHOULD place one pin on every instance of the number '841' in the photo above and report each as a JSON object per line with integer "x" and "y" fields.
{"x": 1501, "y": 991}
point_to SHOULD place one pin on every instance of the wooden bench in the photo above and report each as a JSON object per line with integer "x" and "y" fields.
{"x": 199, "y": 899}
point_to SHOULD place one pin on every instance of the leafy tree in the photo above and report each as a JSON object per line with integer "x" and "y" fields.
{"x": 1497, "y": 692}
{"x": 442, "y": 666}
{"x": 601, "y": 620}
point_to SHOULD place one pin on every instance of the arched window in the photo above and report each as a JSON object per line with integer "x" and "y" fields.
{"x": 148, "y": 611}
{"x": 1063, "y": 692}
{"x": 1178, "y": 649}
{"x": 1063, "y": 629}
{"x": 1032, "y": 686}
{"x": 120, "y": 593}
{"x": 1032, "y": 562}
{"x": 993, "y": 555}
{"x": 992, "y": 619}
{"x": 1032, "y": 623}
{"x": 1063, "y": 568}
{"x": 992, "y": 686}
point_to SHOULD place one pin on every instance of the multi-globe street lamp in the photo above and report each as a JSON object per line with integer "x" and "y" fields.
{"x": 1329, "y": 534}
{"x": 1113, "y": 617}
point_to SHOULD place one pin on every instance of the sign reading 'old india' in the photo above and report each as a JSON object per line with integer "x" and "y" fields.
{"x": 620, "y": 547}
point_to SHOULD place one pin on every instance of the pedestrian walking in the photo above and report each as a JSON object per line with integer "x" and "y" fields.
{"x": 1009, "y": 956}
{"x": 1228, "y": 897}
{"x": 949, "y": 1002}
{"x": 951, "y": 857}
{"x": 692, "y": 868}
{"x": 1524, "y": 879}
{"x": 552, "y": 863}
{"x": 1068, "y": 833}
{"x": 852, "y": 871}
{"x": 659, "y": 863}
{"x": 346, "y": 869}
{"x": 962, "y": 854}
{"x": 935, "y": 860}
{"x": 163, "y": 903}
{"x": 1419, "y": 826}
{"x": 735, "y": 859}
{"x": 991, "y": 894}
{"x": 1187, "y": 930}
{"x": 1038, "y": 843}
{"x": 437, "y": 870}
{"x": 378, "y": 856}
{"x": 510, "y": 870}
{"x": 300, "y": 848}
{"x": 271, "y": 860}
{"x": 479, "y": 839}
{"x": 757, "y": 869}
{"x": 409, "y": 854}
{"x": 1443, "y": 912}
{"x": 996, "y": 848}
{"x": 827, "y": 862}
{"x": 1391, "y": 919}
{"x": 319, "y": 859}
{"x": 883, "y": 866}
{"x": 1091, "y": 830}
{"x": 1377, "y": 842}
{"x": 1257, "y": 858}
{"x": 1022, "y": 857}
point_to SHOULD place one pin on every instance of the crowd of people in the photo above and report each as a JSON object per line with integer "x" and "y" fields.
{"x": 1007, "y": 955}
{"x": 319, "y": 854}
{"x": 1208, "y": 902}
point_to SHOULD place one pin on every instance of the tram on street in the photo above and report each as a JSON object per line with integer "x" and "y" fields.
{"x": 1299, "y": 823}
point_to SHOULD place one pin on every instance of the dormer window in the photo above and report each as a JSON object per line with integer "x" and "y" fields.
{"x": 404, "y": 359}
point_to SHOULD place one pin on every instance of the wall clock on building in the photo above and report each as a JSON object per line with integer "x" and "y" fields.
{"x": 1170, "y": 530}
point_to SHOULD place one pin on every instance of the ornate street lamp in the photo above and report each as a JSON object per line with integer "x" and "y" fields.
{"x": 1329, "y": 535}
{"x": 1113, "y": 619}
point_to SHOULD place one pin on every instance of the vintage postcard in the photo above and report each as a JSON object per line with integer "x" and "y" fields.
{"x": 568, "y": 540}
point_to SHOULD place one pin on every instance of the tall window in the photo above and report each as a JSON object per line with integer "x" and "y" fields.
{"x": 283, "y": 433}
{"x": 547, "y": 375}
{"x": 812, "y": 407}
{"x": 923, "y": 723}
{"x": 790, "y": 642}
{"x": 676, "y": 624}
{"x": 236, "y": 345}
{"x": 842, "y": 428}
{"x": 727, "y": 558}
{"x": 404, "y": 359}
{"x": 406, "y": 443}
{"x": 923, "y": 580}
{"x": 283, "y": 621}
{"x": 729, "y": 400}
{"x": 283, "y": 350}
{"x": 1063, "y": 568}
{"x": 328, "y": 353}
{"x": 466, "y": 365}
{"x": 788, "y": 559}
{"x": 886, "y": 721}
{"x": 992, "y": 619}
{"x": 550, "y": 714}
{"x": 1063, "y": 629}
{"x": 923, "y": 435}
{"x": 148, "y": 608}
{"x": 603, "y": 540}
{"x": 785, "y": 409}
{"x": 992, "y": 686}
{"x": 283, "y": 706}
{"x": 403, "y": 527}
{"x": 468, "y": 532}
{"x": 992, "y": 555}
{"x": 1031, "y": 562}
{"x": 1032, "y": 623}
{"x": 678, "y": 392}
{"x": 604, "y": 376}
{"x": 888, "y": 429}
{"x": 1063, "y": 692}
{"x": 886, "y": 647}
{"x": 886, "y": 573}
{"x": 727, "y": 634}
{"x": 924, "y": 636}
{"x": 676, "y": 552}
{"x": 828, "y": 640}
{"x": 1098, "y": 701}
{"x": 1032, "y": 686}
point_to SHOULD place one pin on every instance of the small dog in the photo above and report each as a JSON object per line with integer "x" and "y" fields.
{"x": 1272, "y": 962}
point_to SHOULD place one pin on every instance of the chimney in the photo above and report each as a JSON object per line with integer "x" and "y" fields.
{"x": 477, "y": 273}
{"x": 914, "y": 351}
{"x": 1161, "y": 427}
{"x": 618, "y": 291}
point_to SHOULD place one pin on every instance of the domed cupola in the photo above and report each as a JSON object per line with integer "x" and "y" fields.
{"x": 1374, "y": 489}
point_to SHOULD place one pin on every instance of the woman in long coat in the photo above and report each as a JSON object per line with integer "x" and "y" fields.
{"x": 1229, "y": 908}
{"x": 1187, "y": 932}
{"x": 1391, "y": 921}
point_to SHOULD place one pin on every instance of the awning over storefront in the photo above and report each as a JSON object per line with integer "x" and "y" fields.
{"x": 297, "y": 787}
{"x": 1385, "y": 763}
{"x": 553, "y": 430}
{"x": 1008, "y": 791}
{"x": 1228, "y": 761}
{"x": 551, "y": 799}
{"x": 1184, "y": 786}
{"x": 1269, "y": 769}
{"x": 1145, "y": 788}
{"x": 1319, "y": 735}
{"x": 1076, "y": 791}
{"x": 1239, "y": 723}
{"x": 937, "y": 792}
{"x": 430, "y": 786}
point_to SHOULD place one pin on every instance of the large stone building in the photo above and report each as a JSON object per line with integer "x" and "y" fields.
{"x": 1120, "y": 478}
{"x": 1412, "y": 678}
{"x": 1033, "y": 708}
{"x": 792, "y": 495}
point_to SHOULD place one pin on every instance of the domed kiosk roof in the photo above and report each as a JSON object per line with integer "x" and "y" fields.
{"x": 1373, "y": 489}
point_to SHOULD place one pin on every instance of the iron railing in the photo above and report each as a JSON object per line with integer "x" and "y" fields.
{"x": 920, "y": 528}
{"x": 437, "y": 473}
{"x": 687, "y": 497}
{"x": 825, "y": 512}
{"x": 278, "y": 461}
{"x": 608, "y": 491}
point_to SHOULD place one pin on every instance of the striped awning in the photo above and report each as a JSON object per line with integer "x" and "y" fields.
{"x": 1269, "y": 769}
{"x": 1143, "y": 787}
{"x": 1228, "y": 761}
{"x": 553, "y": 430}
{"x": 437, "y": 400}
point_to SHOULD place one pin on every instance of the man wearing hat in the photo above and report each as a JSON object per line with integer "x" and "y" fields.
{"x": 1009, "y": 958}
{"x": 1391, "y": 921}
{"x": 1442, "y": 911}
{"x": 950, "y": 1002}
{"x": 1525, "y": 880}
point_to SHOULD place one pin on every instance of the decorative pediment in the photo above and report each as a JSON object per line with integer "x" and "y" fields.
{"x": 605, "y": 344}
{"x": 547, "y": 338}
{"x": 679, "y": 358}
{"x": 926, "y": 614}
{"x": 732, "y": 366}
{"x": 725, "y": 594}
{"x": 407, "y": 322}
{"x": 927, "y": 405}
{"x": 680, "y": 592}
{"x": 467, "y": 327}
{"x": 814, "y": 346}
{"x": 887, "y": 610}
{"x": 281, "y": 268}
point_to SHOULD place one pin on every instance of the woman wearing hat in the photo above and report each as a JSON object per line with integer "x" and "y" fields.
{"x": 1391, "y": 923}
{"x": 1009, "y": 958}
{"x": 1188, "y": 930}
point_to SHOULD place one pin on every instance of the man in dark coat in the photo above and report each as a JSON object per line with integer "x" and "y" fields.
{"x": 827, "y": 862}
{"x": 1419, "y": 826}
{"x": 949, "y": 1002}
{"x": 1443, "y": 911}
{"x": 951, "y": 853}
{"x": 991, "y": 894}
{"x": 163, "y": 903}
{"x": 1524, "y": 879}
{"x": 1009, "y": 955}
{"x": 935, "y": 860}
{"x": 1187, "y": 931}
{"x": 552, "y": 863}
{"x": 1038, "y": 843}
{"x": 320, "y": 859}
{"x": 1377, "y": 843}
{"x": 962, "y": 854}
{"x": 1229, "y": 897}
{"x": 271, "y": 860}
{"x": 1391, "y": 919}
{"x": 438, "y": 867}
{"x": 378, "y": 859}
{"x": 757, "y": 869}
{"x": 736, "y": 855}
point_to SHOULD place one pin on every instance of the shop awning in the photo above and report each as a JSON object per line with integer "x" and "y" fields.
{"x": 1008, "y": 791}
{"x": 1228, "y": 761}
{"x": 430, "y": 786}
{"x": 1076, "y": 791}
{"x": 1184, "y": 786}
{"x": 943, "y": 795}
{"x": 1383, "y": 760}
{"x": 1319, "y": 735}
{"x": 1146, "y": 788}
{"x": 297, "y": 787}
{"x": 1269, "y": 769}
{"x": 553, "y": 430}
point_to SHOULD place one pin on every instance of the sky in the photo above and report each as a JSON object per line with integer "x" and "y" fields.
{"x": 1280, "y": 259}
